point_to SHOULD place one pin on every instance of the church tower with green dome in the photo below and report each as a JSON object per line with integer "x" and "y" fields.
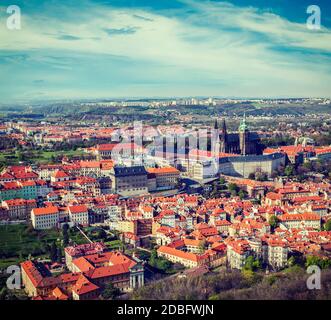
{"x": 243, "y": 126}
{"x": 244, "y": 137}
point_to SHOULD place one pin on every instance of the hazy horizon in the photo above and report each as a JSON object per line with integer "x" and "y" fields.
{"x": 144, "y": 98}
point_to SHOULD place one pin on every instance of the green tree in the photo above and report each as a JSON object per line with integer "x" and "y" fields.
{"x": 215, "y": 193}
{"x": 308, "y": 166}
{"x": 110, "y": 292}
{"x": 65, "y": 234}
{"x": 102, "y": 234}
{"x": 248, "y": 275}
{"x": 202, "y": 246}
{"x": 317, "y": 261}
{"x": 163, "y": 264}
{"x": 241, "y": 194}
{"x": 53, "y": 252}
{"x": 257, "y": 265}
{"x": 152, "y": 259}
{"x": 159, "y": 263}
{"x": 3, "y": 293}
{"x": 222, "y": 180}
{"x": 289, "y": 170}
{"x": 252, "y": 264}
{"x": 249, "y": 263}
{"x": 21, "y": 156}
{"x": 273, "y": 220}
{"x": 233, "y": 187}
{"x": 327, "y": 225}
{"x": 291, "y": 261}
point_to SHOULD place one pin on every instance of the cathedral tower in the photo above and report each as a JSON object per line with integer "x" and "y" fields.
{"x": 244, "y": 137}
{"x": 223, "y": 138}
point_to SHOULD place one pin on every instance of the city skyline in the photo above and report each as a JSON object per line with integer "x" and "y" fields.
{"x": 108, "y": 49}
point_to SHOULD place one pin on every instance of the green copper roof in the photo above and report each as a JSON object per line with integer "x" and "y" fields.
{"x": 243, "y": 126}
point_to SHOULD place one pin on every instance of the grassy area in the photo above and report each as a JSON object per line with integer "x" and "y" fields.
{"x": 20, "y": 239}
{"x": 46, "y": 156}
{"x": 76, "y": 237}
{"x": 141, "y": 254}
{"x": 18, "y": 242}
{"x": 5, "y": 263}
{"x": 41, "y": 157}
{"x": 115, "y": 244}
{"x": 9, "y": 158}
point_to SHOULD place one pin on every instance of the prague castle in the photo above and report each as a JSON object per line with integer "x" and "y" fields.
{"x": 244, "y": 142}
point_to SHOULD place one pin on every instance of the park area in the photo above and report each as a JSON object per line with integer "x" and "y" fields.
{"x": 14, "y": 157}
{"x": 21, "y": 241}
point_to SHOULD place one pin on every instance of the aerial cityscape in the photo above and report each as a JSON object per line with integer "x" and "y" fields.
{"x": 149, "y": 154}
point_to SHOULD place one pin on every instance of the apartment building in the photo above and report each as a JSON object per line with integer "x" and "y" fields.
{"x": 79, "y": 215}
{"x": 96, "y": 169}
{"x": 237, "y": 253}
{"x": 297, "y": 221}
{"x": 277, "y": 253}
{"x": 117, "y": 150}
{"x": 130, "y": 181}
{"x": 126, "y": 226}
{"x": 166, "y": 178}
{"x": 187, "y": 259}
{"x": 45, "y": 218}
{"x": 19, "y": 208}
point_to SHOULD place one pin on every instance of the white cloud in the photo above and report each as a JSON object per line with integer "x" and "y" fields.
{"x": 221, "y": 42}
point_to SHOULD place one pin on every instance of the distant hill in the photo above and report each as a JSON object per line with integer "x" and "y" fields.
{"x": 229, "y": 109}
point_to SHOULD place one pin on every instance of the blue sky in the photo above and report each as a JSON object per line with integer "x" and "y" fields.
{"x": 163, "y": 48}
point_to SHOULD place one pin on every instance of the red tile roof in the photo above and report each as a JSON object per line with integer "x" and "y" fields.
{"x": 296, "y": 217}
{"x": 60, "y": 174}
{"x": 181, "y": 254}
{"x": 165, "y": 170}
{"x": 45, "y": 211}
{"x": 78, "y": 209}
{"x": 83, "y": 286}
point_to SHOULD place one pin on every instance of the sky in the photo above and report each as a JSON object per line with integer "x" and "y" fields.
{"x": 91, "y": 49}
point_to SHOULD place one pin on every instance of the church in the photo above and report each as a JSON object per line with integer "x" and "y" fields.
{"x": 244, "y": 142}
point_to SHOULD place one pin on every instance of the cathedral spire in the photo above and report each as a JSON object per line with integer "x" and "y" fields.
{"x": 224, "y": 127}
{"x": 216, "y": 125}
{"x": 223, "y": 138}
